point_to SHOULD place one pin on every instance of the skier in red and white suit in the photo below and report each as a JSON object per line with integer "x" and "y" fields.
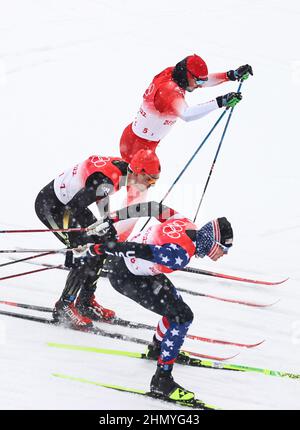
{"x": 164, "y": 102}
{"x": 137, "y": 269}
{"x": 64, "y": 203}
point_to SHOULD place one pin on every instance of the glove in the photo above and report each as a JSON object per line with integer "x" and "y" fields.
{"x": 97, "y": 228}
{"x": 229, "y": 100}
{"x": 83, "y": 251}
{"x": 103, "y": 228}
{"x": 241, "y": 73}
{"x": 77, "y": 256}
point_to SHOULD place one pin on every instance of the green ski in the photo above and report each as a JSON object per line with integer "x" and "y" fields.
{"x": 194, "y": 403}
{"x": 190, "y": 361}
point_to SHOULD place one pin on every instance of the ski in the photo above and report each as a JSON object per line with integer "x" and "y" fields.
{"x": 231, "y": 277}
{"x": 187, "y": 360}
{"x": 191, "y": 361}
{"x": 131, "y": 324}
{"x": 223, "y": 299}
{"x": 194, "y": 403}
{"x": 195, "y": 271}
{"x": 92, "y": 330}
{"x": 48, "y": 266}
{"x": 100, "y": 332}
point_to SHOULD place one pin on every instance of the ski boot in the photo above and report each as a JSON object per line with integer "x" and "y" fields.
{"x": 67, "y": 314}
{"x": 93, "y": 310}
{"x": 163, "y": 385}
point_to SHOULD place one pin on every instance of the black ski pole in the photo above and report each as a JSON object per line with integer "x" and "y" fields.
{"x": 26, "y": 258}
{"x": 216, "y": 156}
{"x": 188, "y": 163}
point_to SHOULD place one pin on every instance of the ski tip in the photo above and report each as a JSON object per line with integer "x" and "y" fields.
{"x": 265, "y": 305}
{"x": 253, "y": 345}
{"x": 281, "y": 282}
{"x": 210, "y": 357}
{"x": 248, "y": 345}
{"x": 229, "y": 358}
{"x": 274, "y": 303}
{"x": 264, "y": 283}
{"x": 261, "y": 305}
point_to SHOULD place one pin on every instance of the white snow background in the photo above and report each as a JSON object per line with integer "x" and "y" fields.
{"x": 72, "y": 75}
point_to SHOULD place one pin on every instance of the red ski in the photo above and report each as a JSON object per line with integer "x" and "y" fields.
{"x": 48, "y": 266}
{"x": 231, "y": 277}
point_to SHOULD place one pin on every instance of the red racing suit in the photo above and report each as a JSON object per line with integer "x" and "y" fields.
{"x": 163, "y": 103}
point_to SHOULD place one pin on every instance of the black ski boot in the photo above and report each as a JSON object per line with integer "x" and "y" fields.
{"x": 163, "y": 385}
{"x": 153, "y": 349}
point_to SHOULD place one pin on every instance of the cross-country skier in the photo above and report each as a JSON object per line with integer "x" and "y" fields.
{"x": 137, "y": 269}
{"x": 63, "y": 204}
{"x": 164, "y": 102}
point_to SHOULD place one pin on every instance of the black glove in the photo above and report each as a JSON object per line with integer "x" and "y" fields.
{"x": 71, "y": 261}
{"x": 229, "y": 100}
{"x": 241, "y": 73}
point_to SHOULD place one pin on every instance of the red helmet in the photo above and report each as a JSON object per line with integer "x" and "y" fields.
{"x": 196, "y": 66}
{"x": 145, "y": 161}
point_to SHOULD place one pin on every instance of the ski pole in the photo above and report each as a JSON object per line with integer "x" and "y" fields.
{"x": 25, "y": 259}
{"x": 188, "y": 163}
{"x": 216, "y": 156}
{"x": 47, "y": 230}
{"x": 58, "y": 230}
{"x": 50, "y": 251}
{"x": 193, "y": 156}
{"x": 27, "y": 273}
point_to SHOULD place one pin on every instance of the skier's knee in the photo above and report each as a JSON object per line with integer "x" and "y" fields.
{"x": 186, "y": 315}
{"x": 183, "y": 314}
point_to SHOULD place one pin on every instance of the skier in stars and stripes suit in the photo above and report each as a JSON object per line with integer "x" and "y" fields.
{"x": 137, "y": 269}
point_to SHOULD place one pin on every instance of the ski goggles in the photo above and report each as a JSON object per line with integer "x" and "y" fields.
{"x": 198, "y": 81}
{"x": 151, "y": 179}
{"x": 224, "y": 248}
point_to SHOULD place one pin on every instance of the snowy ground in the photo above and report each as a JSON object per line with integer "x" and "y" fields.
{"x": 72, "y": 73}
